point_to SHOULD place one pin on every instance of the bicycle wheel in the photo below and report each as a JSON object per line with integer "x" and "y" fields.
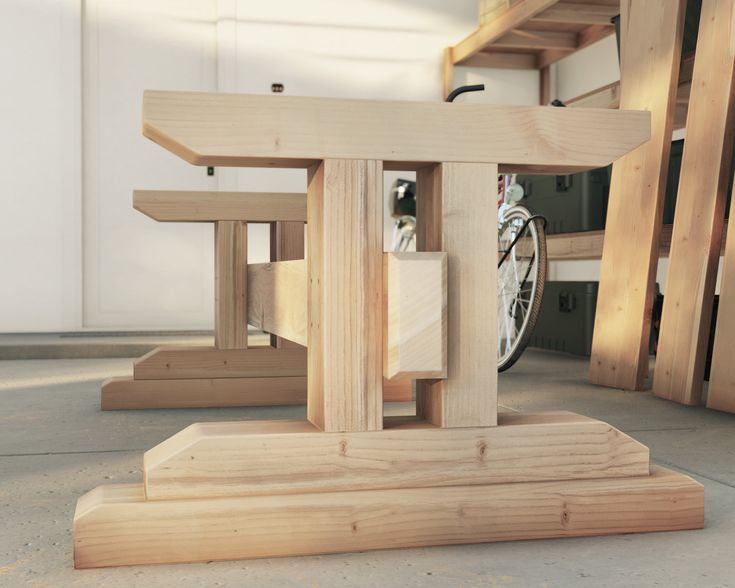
{"x": 521, "y": 277}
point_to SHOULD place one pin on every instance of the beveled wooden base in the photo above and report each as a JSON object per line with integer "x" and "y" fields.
{"x": 533, "y": 476}
{"x": 115, "y": 525}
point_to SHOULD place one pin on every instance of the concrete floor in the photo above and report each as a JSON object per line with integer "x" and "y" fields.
{"x": 55, "y": 445}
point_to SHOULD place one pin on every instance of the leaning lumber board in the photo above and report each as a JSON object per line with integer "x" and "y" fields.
{"x": 291, "y": 457}
{"x": 166, "y": 363}
{"x": 277, "y": 298}
{"x": 115, "y": 525}
{"x": 721, "y": 389}
{"x": 415, "y": 315}
{"x": 192, "y": 206}
{"x": 651, "y": 51}
{"x": 700, "y": 209}
{"x": 239, "y": 130}
{"x": 128, "y": 394}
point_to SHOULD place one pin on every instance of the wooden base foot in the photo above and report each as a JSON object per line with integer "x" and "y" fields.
{"x": 115, "y": 525}
{"x": 132, "y": 394}
{"x": 277, "y": 488}
{"x": 128, "y": 393}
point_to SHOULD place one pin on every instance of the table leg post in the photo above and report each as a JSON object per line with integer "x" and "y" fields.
{"x": 457, "y": 213}
{"x": 345, "y": 295}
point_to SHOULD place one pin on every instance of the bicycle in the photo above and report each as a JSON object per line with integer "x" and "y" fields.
{"x": 522, "y": 260}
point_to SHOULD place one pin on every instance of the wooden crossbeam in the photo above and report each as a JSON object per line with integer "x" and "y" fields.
{"x": 499, "y": 60}
{"x": 285, "y": 457}
{"x": 577, "y": 13}
{"x": 217, "y": 129}
{"x": 487, "y": 34}
{"x": 523, "y": 39}
{"x": 192, "y": 206}
{"x": 700, "y": 208}
{"x": 277, "y": 299}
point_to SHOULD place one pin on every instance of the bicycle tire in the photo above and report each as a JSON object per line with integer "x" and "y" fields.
{"x": 535, "y": 304}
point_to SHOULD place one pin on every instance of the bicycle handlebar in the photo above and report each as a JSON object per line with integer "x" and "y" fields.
{"x": 462, "y": 89}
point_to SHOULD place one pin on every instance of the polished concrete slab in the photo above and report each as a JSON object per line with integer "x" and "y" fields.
{"x": 55, "y": 445}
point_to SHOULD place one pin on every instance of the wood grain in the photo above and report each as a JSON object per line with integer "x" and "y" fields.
{"x": 114, "y": 525}
{"x": 129, "y": 394}
{"x": 503, "y": 22}
{"x": 277, "y": 298}
{"x": 700, "y": 209}
{"x": 286, "y": 131}
{"x": 291, "y": 457}
{"x": 230, "y": 285}
{"x": 415, "y": 315}
{"x": 176, "y": 363}
{"x": 345, "y": 295}
{"x": 457, "y": 214}
{"x": 287, "y": 243}
{"x": 651, "y": 32}
{"x": 178, "y": 206}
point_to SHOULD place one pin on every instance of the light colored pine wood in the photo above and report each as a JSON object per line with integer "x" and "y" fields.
{"x": 128, "y": 394}
{"x": 345, "y": 295}
{"x": 544, "y": 86}
{"x": 230, "y": 284}
{"x": 700, "y": 209}
{"x": 503, "y": 23}
{"x": 178, "y": 206}
{"x": 577, "y": 13}
{"x": 588, "y": 244}
{"x": 277, "y": 298}
{"x": 239, "y": 130}
{"x": 490, "y": 9}
{"x": 177, "y": 363}
{"x": 651, "y": 32}
{"x": 457, "y": 214}
{"x": 291, "y": 457}
{"x": 721, "y": 389}
{"x": 397, "y": 391}
{"x": 415, "y": 315}
{"x": 447, "y": 72}
{"x": 522, "y": 39}
{"x": 114, "y": 525}
{"x": 287, "y": 242}
{"x": 608, "y": 96}
{"x": 499, "y": 60}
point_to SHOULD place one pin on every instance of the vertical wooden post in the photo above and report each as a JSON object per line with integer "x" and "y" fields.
{"x": 651, "y": 38}
{"x": 287, "y": 243}
{"x": 700, "y": 210}
{"x": 544, "y": 82}
{"x": 345, "y": 295}
{"x": 230, "y": 279}
{"x": 457, "y": 213}
{"x": 447, "y": 72}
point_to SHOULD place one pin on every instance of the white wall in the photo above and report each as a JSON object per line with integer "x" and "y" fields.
{"x": 40, "y": 158}
{"x": 137, "y": 273}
